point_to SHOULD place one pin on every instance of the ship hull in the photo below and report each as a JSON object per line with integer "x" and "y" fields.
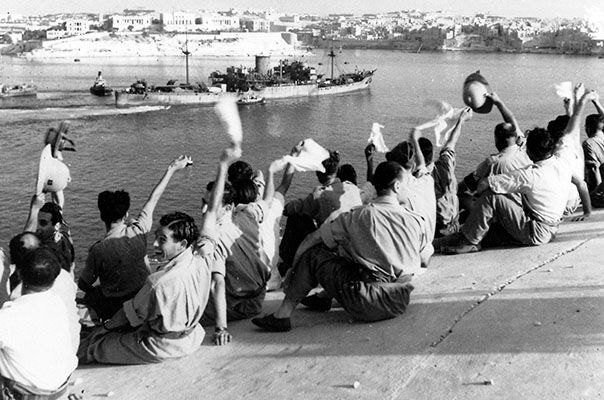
{"x": 313, "y": 89}
{"x": 124, "y": 99}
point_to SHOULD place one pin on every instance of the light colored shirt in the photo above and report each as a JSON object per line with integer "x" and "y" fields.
{"x": 324, "y": 200}
{"x": 173, "y": 299}
{"x": 64, "y": 288}
{"x": 35, "y": 343}
{"x": 544, "y": 185}
{"x": 270, "y": 229}
{"x": 120, "y": 260}
{"x": 593, "y": 150}
{"x": 383, "y": 236}
{"x": 422, "y": 199}
{"x": 509, "y": 159}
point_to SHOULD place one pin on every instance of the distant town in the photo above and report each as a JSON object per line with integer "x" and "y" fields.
{"x": 407, "y": 30}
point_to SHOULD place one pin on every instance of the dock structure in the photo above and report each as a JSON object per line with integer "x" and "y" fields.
{"x": 524, "y": 322}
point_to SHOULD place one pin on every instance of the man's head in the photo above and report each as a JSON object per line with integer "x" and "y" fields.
{"x": 175, "y": 233}
{"x": 505, "y": 135}
{"x": 39, "y": 270}
{"x": 388, "y": 178}
{"x": 347, "y": 173}
{"x": 50, "y": 218}
{"x": 331, "y": 167}
{"x": 557, "y": 126}
{"x": 227, "y": 200}
{"x": 113, "y": 205}
{"x": 594, "y": 123}
{"x": 239, "y": 170}
{"x": 20, "y": 245}
{"x": 245, "y": 191}
{"x": 402, "y": 154}
{"x": 539, "y": 144}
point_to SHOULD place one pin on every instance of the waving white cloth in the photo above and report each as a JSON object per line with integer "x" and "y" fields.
{"x": 564, "y": 90}
{"x": 310, "y": 158}
{"x": 227, "y": 110}
{"x": 444, "y": 121}
{"x": 377, "y": 138}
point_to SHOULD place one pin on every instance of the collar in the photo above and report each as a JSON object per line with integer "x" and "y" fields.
{"x": 183, "y": 257}
{"x": 388, "y": 199}
{"x": 115, "y": 229}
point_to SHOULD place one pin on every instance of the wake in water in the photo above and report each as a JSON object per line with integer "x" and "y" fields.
{"x": 60, "y": 113}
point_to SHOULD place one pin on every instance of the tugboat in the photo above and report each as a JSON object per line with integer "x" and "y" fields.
{"x": 248, "y": 99}
{"x": 99, "y": 88}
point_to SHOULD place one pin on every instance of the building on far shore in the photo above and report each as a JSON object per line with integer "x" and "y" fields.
{"x": 135, "y": 23}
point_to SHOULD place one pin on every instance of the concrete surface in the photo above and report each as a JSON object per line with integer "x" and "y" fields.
{"x": 513, "y": 323}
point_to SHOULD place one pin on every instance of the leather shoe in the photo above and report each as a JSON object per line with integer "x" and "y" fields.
{"x": 272, "y": 324}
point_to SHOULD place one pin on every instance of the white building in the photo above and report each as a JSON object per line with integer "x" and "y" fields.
{"x": 178, "y": 21}
{"x": 131, "y": 22}
{"x": 77, "y": 26}
{"x": 255, "y": 24}
{"x": 211, "y": 22}
{"x": 55, "y": 34}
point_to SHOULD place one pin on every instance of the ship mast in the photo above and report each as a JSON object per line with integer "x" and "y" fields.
{"x": 186, "y": 52}
{"x": 331, "y": 55}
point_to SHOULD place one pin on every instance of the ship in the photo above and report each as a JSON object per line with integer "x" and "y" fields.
{"x": 287, "y": 80}
{"x": 22, "y": 90}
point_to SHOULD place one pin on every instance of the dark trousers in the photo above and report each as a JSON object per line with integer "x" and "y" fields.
{"x": 105, "y": 307}
{"x": 363, "y": 294}
{"x": 296, "y": 229}
{"x": 237, "y": 308}
{"x": 11, "y": 390}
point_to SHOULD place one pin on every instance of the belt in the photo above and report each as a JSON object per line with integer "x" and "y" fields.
{"x": 13, "y": 390}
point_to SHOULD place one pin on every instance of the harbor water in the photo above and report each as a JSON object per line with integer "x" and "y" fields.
{"x": 130, "y": 148}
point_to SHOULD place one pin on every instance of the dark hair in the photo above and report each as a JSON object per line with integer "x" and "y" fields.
{"x": 347, "y": 172}
{"x": 427, "y": 149}
{"x": 330, "y": 165}
{"x": 40, "y": 268}
{"x": 245, "y": 191}
{"x": 55, "y": 211}
{"x": 20, "y": 245}
{"x": 113, "y": 205}
{"x": 386, "y": 174}
{"x": 227, "y": 197}
{"x": 239, "y": 170}
{"x": 182, "y": 226}
{"x": 591, "y": 124}
{"x": 557, "y": 126}
{"x": 402, "y": 153}
{"x": 504, "y": 131}
{"x": 539, "y": 144}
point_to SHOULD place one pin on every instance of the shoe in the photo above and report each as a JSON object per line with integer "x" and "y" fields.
{"x": 441, "y": 243}
{"x": 316, "y": 303}
{"x": 462, "y": 249}
{"x": 272, "y": 324}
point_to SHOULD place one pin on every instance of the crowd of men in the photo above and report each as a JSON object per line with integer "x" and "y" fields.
{"x": 362, "y": 243}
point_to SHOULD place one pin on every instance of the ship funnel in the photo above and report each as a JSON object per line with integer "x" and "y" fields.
{"x": 263, "y": 64}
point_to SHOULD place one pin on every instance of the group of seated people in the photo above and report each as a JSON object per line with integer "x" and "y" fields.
{"x": 362, "y": 243}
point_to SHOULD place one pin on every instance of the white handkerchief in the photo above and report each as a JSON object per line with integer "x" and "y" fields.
{"x": 227, "y": 110}
{"x": 444, "y": 121}
{"x": 564, "y": 90}
{"x": 310, "y": 158}
{"x": 377, "y": 138}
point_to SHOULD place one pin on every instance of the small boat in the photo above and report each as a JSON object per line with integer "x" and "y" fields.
{"x": 22, "y": 90}
{"x": 101, "y": 90}
{"x": 249, "y": 100}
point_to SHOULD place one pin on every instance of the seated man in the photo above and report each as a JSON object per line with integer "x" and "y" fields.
{"x": 162, "y": 321}
{"x": 326, "y": 201}
{"x": 36, "y": 353}
{"x": 119, "y": 261}
{"x": 544, "y": 187}
{"x": 374, "y": 249}
{"x": 510, "y": 155}
{"x": 247, "y": 232}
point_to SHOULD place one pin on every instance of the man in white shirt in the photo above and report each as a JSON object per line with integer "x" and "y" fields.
{"x": 36, "y": 353}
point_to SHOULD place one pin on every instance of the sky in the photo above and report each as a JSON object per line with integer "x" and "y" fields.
{"x": 529, "y": 8}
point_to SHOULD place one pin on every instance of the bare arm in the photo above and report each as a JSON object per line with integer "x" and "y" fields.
{"x": 221, "y": 335}
{"x": 598, "y": 106}
{"x": 37, "y": 201}
{"x": 454, "y": 137}
{"x": 585, "y": 199}
{"x": 506, "y": 113}
{"x": 420, "y": 161}
{"x": 176, "y": 165}
{"x": 208, "y": 225}
{"x": 573, "y": 127}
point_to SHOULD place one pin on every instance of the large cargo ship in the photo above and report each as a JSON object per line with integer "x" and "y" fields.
{"x": 287, "y": 80}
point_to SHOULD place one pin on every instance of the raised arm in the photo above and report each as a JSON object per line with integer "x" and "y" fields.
{"x": 506, "y": 113}
{"x": 420, "y": 161}
{"x": 369, "y": 152}
{"x": 598, "y": 106}
{"x": 208, "y": 225}
{"x": 454, "y": 137}
{"x": 37, "y": 201}
{"x": 176, "y": 165}
{"x": 574, "y": 124}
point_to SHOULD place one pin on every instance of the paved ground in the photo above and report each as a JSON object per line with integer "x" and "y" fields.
{"x": 515, "y": 323}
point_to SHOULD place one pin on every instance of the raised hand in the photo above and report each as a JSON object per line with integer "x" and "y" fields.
{"x": 180, "y": 163}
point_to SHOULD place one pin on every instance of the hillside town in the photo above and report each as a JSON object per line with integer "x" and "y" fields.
{"x": 408, "y": 30}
